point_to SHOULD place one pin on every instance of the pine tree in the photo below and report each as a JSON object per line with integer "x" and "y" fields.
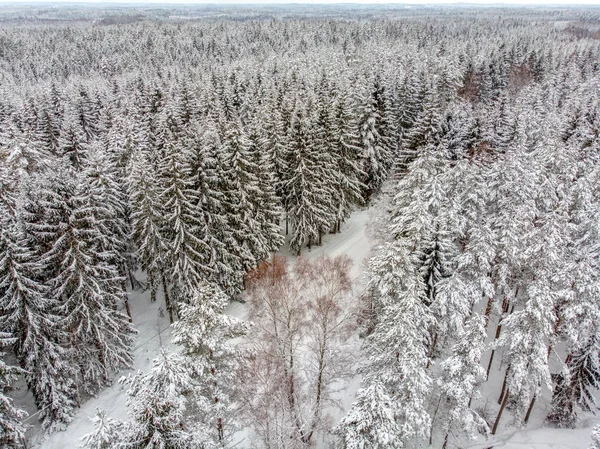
{"x": 309, "y": 198}
{"x": 399, "y": 344}
{"x": 88, "y": 290}
{"x": 208, "y": 182}
{"x": 269, "y": 204}
{"x": 348, "y": 186}
{"x": 27, "y": 314}
{"x": 108, "y": 433}
{"x": 576, "y": 385}
{"x": 72, "y": 143}
{"x": 242, "y": 197}
{"x": 159, "y": 408}
{"x": 371, "y": 421}
{"x": 375, "y": 142}
{"x": 527, "y": 337}
{"x": 188, "y": 254}
{"x": 12, "y": 427}
{"x": 461, "y": 375}
{"x": 147, "y": 220}
{"x": 595, "y": 438}
{"x": 205, "y": 333}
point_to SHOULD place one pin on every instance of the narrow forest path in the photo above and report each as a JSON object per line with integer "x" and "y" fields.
{"x": 154, "y": 331}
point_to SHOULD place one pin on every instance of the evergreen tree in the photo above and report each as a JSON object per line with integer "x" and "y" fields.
{"x": 12, "y": 428}
{"x": 461, "y": 375}
{"x": 107, "y": 434}
{"x": 188, "y": 254}
{"x": 88, "y": 290}
{"x": 375, "y": 142}
{"x": 346, "y": 150}
{"x": 399, "y": 344}
{"x": 147, "y": 220}
{"x": 27, "y": 314}
{"x": 205, "y": 333}
{"x": 309, "y": 198}
{"x": 371, "y": 421}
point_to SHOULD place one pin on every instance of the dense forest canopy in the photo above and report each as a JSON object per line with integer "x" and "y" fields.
{"x": 192, "y": 143}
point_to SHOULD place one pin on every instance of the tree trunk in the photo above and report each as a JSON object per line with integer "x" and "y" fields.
{"x": 556, "y": 326}
{"x": 431, "y": 351}
{"x": 488, "y": 310}
{"x": 504, "y": 385}
{"x": 528, "y": 414}
{"x": 505, "y": 306}
{"x": 433, "y": 421}
{"x": 487, "y": 374}
{"x": 286, "y": 224}
{"x": 497, "y": 422}
{"x": 445, "y": 441}
{"x": 126, "y": 299}
{"x": 132, "y": 280}
{"x": 167, "y": 299}
{"x": 152, "y": 293}
{"x": 320, "y": 238}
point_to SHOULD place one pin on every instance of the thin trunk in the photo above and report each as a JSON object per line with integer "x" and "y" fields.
{"x": 126, "y": 299}
{"x": 433, "y": 420}
{"x": 132, "y": 280}
{"x": 488, "y": 310}
{"x": 432, "y": 349}
{"x": 505, "y": 306}
{"x": 497, "y": 422}
{"x": 487, "y": 374}
{"x": 556, "y": 326}
{"x": 318, "y": 398}
{"x": 528, "y": 414}
{"x": 504, "y": 385}
{"x": 286, "y": 224}
{"x": 320, "y": 238}
{"x": 445, "y": 441}
{"x": 167, "y": 299}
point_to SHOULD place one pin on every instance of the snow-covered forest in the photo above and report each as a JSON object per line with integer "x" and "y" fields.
{"x": 197, "y": 161}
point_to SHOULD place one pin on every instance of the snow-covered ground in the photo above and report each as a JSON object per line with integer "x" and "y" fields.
{"x": 153, "y": 327}
{"x": 354, "y": 241}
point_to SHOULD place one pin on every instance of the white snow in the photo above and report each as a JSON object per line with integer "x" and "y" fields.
{"x": 356, "y": 242}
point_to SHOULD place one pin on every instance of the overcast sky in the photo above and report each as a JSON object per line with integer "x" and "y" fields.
{"x": 483, "y": 2}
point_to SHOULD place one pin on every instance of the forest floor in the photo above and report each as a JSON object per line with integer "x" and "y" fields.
{"x": 355, "y": 241}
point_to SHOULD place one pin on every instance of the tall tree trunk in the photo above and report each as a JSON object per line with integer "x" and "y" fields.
{"x": 433, "y": 420}
{"x": 488, "y": 310}
{"x": 497, "y": 422}
{"x": 556, "y": 326}
{"x": 505, "y": 306}
{"x": 528, "y": 414}
{"x": 126, "y": 299}
{"x": 167, "y": 299}
{"x": 132, "y": 280}
{"x": 431, "y": 350}
{"x": 286, "y": 223}
{"x": 318, "y": 395}
{"x": 504, "y": 385}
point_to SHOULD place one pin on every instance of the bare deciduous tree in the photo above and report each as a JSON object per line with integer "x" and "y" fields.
{"x": 303, "y": 318}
